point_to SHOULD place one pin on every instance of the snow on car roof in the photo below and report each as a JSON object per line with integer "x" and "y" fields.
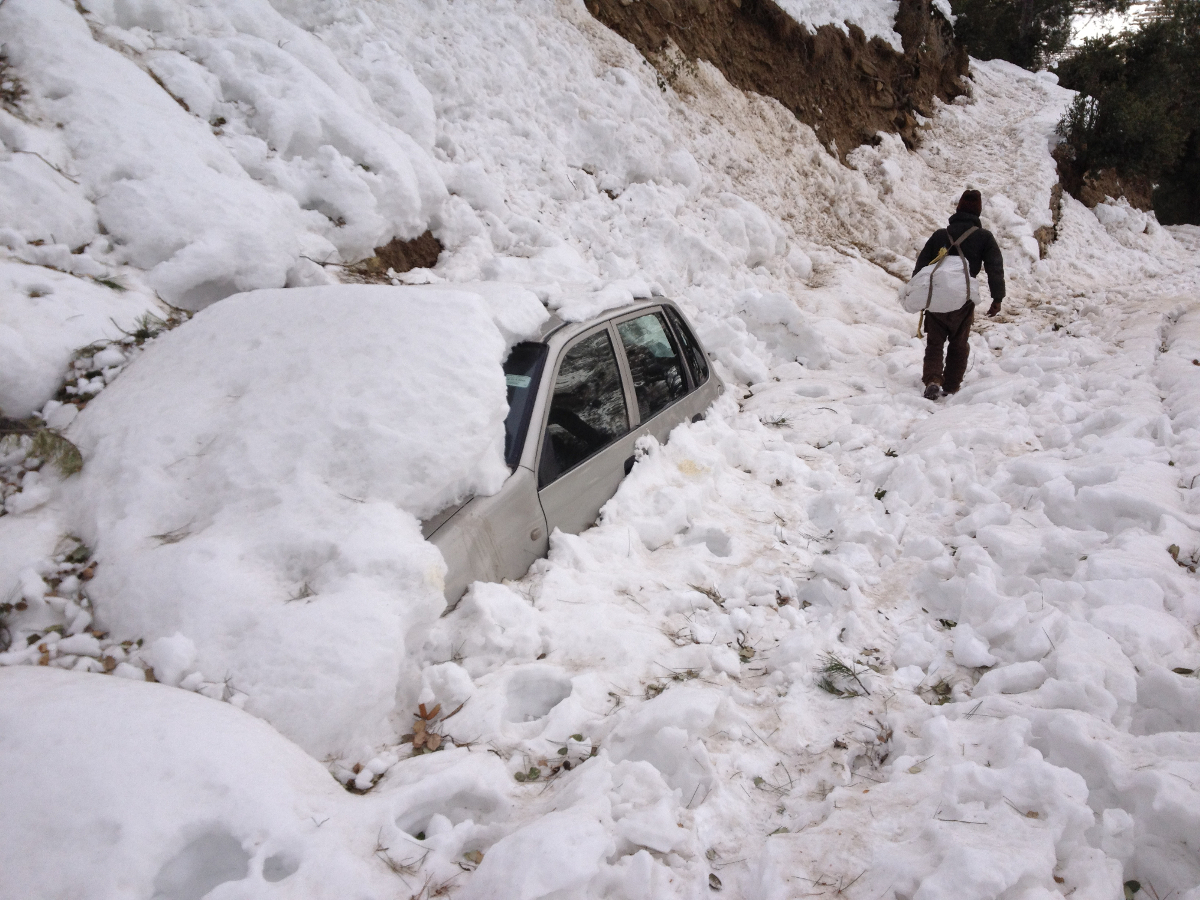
{"x": 254, "y": 480}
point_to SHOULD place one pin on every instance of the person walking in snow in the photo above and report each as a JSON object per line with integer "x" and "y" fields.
{"x": 980, "y": 250}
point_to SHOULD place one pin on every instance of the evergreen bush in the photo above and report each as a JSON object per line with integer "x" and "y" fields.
{"x": 1138, "y": 112}
{"x": 1028, "y": 33}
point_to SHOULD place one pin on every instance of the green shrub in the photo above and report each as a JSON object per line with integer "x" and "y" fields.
{"x": 1138, "y": 112}
{"x": 1028, "y": 33}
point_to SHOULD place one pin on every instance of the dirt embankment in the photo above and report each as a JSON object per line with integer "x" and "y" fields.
{"x": 845, "y": 87}
{"x": 1093, "y": 186}
{"x": 396, "y": 256}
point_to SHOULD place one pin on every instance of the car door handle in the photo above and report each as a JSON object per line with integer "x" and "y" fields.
{"x": 629, "y": 465}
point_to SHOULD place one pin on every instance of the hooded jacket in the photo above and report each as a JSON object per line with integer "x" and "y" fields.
{"x": 980, "y": 250}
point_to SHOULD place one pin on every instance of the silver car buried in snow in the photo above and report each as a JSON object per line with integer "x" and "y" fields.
{"x": 579, "y": 395}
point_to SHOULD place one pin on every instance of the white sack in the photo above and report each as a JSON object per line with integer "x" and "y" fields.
{"x": 950, "y": 285}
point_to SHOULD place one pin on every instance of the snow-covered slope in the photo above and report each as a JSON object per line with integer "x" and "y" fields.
{"x": 216, "y": 147}
{"x": 1005, "y": 578}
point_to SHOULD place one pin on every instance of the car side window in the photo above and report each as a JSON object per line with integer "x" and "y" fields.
{"x": 658, "y": 376}
{"x": 587, "y": 411}
{"x": 522, "y": 374}
{"x": 691, "y": 348}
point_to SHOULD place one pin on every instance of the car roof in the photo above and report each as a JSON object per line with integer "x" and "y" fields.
{"x": 554, "y": 324}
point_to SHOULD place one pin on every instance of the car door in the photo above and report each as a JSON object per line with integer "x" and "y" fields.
{"x": 588, "y": 437}
{"x": 663, "y": 383}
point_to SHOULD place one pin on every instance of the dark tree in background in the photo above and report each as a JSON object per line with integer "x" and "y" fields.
{"x": 1029, "y": 33}
{"x": 1138, "y": 113}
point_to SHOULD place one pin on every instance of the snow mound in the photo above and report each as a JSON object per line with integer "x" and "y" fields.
{"x": 875, "y": 18}
{"x": 219, "y": 148}
{"x": 255, "y": 478}
{"x": 191, "y": 798}
{"x": 45, "y": 316}
{"x": 188, "y": 794}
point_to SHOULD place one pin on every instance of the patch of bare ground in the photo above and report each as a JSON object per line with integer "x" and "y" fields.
{"x": 397, "y": 256}
{"x": 1090, "y": 187}
{"x": 845, "y": 87}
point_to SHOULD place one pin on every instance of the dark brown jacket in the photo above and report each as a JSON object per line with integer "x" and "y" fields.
{"x": 980, "y": 249}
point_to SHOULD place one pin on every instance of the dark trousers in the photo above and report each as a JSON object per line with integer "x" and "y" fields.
{"x": 955, "y": 328}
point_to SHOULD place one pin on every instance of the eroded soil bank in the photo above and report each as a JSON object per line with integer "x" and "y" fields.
{"x": 847, "y": 88}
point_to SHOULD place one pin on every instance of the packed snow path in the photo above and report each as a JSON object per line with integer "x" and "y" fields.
{"x": 1010, "y": 546}
{"x": 1022, "y": 555}
{"x": 836, "y": 640}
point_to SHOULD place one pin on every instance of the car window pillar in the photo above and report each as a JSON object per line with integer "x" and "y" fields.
{"x": 680, "y": 347}
{"x": 631, "y": 403}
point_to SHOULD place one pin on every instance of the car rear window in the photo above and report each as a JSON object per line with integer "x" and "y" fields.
{"x": 523, "y": 373}
{"x": 658, "y": 378}
{"x": 691, "y": 349}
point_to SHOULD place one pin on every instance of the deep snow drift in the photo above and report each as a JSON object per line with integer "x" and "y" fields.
{"x": 834, "y": 640}
{"x": 257, "y": 493}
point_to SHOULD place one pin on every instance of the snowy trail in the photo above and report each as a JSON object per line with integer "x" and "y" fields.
{"x": 1008, "y": 550}
{"x": 1018, "y": 525}
{"x": 834, "y": 640}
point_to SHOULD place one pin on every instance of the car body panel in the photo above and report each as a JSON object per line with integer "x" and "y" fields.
{"x": 497, "y": 537}
{"x": 573, "y": 500}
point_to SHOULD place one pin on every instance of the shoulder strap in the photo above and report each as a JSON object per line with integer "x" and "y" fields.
{"x": 962, "y": 237}
{"x": 957, "y": 245}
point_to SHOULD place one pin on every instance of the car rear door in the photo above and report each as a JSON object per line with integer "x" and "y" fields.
{"x": 670, "y": 378}
{"x": 589, "y": 432}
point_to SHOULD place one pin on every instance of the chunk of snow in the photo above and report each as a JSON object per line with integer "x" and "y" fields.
{"x": 877, "y": 18}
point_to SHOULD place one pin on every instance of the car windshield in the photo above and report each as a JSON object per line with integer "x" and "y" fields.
{"x": 522, "y": 372}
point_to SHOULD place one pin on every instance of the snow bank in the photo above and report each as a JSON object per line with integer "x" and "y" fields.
{"x": 183, "y": 795}
{"x": 190, "y": 796}
{"x": 254, "y": 482}
{"x": 877, "y": 18}
{"x": 216, "y": 147}
{"x": 45, "y": 316}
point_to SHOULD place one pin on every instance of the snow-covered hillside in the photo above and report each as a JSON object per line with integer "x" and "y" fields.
{"x": 834, "y": 640}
